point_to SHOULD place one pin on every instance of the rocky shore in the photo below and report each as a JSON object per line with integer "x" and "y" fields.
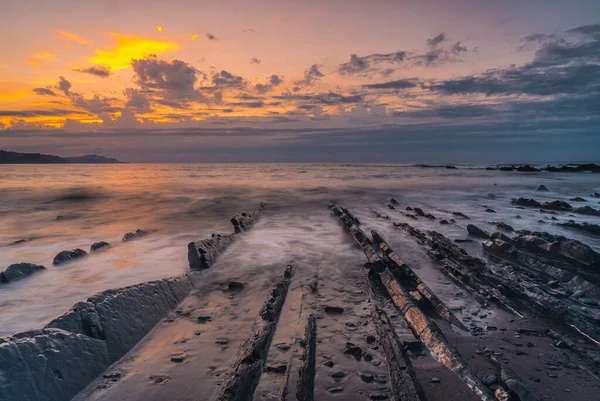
{"x": 514, "y": 313}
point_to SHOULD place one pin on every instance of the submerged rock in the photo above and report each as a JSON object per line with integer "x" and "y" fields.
{"x": 542, "y": 188}
{"x": 476, "y": 231}
{"x": 19, "y": 271}
{"x": 69, "y": 255}
{"x": 591, "y": 228}
{"x": 419, "y": 211}
{"x": 526, "y": 202}
{"x": 459, "y": 214}
{"x": 132, "y": 236}
{"x": 502, "y": 225}
{"x": 101, "y": 245}
{"x": 527, "y": 168}
{"x": 578, "y": 199}
{"x": 394, "y": 202}
{"x": 557, "y": 205}
{"x": 587, "y": 210}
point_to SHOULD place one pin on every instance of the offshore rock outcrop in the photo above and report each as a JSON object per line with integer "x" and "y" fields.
{"x": 68, "y": 256}
{"x": 133, "y": 236}
{"x": 202, "y": 254}
{"x": 58, "y": 361}
{"x": 19, "y": 271}
{"x": 589, "y": 227}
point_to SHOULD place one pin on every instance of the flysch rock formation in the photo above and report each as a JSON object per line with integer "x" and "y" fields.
{"x": 202, "y": 254}
{"x": 57, "y": 362}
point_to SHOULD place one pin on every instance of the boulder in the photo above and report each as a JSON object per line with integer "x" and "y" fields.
{"x": 556, "y": 205}
{"x": 459, "y": 214}
{"x": 132, "y": 236}
{"x": 49, "y": 364}
{"x": 527, "y": 169}
{"x": 542, "y": 188}
{"x": 419, "y": 211}
{"x": 587, "y": 210}
{"x": 578, "y": 199}
{"x": 501, "y": 225}
{"x": 18, "y": 271}
{"x": 526, "y": 202}
{"x": 394, "y": 202}
{"x": 476, "y": 231}
{"x": 69, "y": 255}
{"x": 101, "y": 245}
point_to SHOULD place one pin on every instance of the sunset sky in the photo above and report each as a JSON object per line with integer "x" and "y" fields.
{"x": 330, "y": 80}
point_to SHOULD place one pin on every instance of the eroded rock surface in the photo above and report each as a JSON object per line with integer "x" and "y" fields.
{"x": 69, "y": 255}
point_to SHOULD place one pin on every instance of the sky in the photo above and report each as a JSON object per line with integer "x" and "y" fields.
{"x": 302, "y": 80}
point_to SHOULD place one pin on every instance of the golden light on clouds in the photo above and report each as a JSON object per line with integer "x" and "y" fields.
{"x": 193, "y": 36}
{"x": 44, "y": 56}
{"x": 34, "y": 63}
{"x": 128, "y": 48}
{"x": 64, "y": 35}
{"x": 159, "y": 28}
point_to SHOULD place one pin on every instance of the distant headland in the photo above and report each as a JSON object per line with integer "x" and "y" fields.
{"x": 7, "y": 157}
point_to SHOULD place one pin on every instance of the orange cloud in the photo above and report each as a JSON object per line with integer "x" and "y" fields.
{"x": 34, "y": 63}
{"x": 278, "y": 17}
{"x": 159, "y": 28}
{"x": 44, "y": 56}
{"x": 64, "y": 35}
{"x": 130, "y": 47}
{"x": 193, "y": 36}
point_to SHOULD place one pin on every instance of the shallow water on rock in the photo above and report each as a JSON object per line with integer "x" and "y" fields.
{"x": 181, "y": 203}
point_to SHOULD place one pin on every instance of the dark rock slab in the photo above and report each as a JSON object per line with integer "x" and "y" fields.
{"x": 542, "y": 188}
{"x": 202, "y": 254}
{"x": 591, "y": 228}
{"x": 69, "y": 255}
{"x": 477, "y": 232}
{"x": 19, "y": 271}
{"x": 123, "y": 316}
{"x": 49, "y": 364}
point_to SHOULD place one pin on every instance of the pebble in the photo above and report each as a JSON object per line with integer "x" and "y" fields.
{"x": 235, "y": 285}
{"x": 435, "y": 380}
{"x": 378, "y": 396}
{"x": 338, "y": 375}
{"x": 204, "y": 319}
{"x": 277, "y": 368}
{"x": 178, "y": 358}
{"x": 329, "y": 364}
{"x": 336, "y": 390}
{"x": 221, "y": 340}
{"x": 366, "y": 377}
{"x": 336, "y": 310}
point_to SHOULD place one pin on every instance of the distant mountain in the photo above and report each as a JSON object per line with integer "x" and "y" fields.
{"x": 91, "y": 159}
{"x": 7, "y": 157}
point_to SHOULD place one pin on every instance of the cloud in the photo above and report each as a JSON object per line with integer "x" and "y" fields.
{"x": 44, "y": 91}
{"x": 274, "y": 81}
{"x": 210, "y": 36}
{"x": 68, "y": 36}
{"x": 435, "y": 41}
{"x": 311, "y": 75}
{"x": 560, "y": 67}
{"x": 64, "y": 85}
{"x": 128, "y": 48}
{"x": 254, "y": 60}
{"x": 36, "y": 113}
{"x": 34, "y": 63}
{"x": 97, "y": 70}
{"x": 365, "y": 64}
{"x": 137, "y": 101}
{"x": 97, "y": 105}
{"x": 398, "y": 84}
{"x": 46, "y": 56}
{"x": 226, "y": 79}
{"x": 170, "y": 83}
{"x": 159, "y": 28}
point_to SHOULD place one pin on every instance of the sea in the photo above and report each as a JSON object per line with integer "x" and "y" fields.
{"x": 45, "y": 209}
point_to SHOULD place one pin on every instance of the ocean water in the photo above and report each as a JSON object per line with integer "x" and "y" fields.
{"x": 179, "y": 203}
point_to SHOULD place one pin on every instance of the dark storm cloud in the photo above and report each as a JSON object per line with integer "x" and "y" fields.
{"x": 44, "y": 91}
{"x": 98, "y": 105}
{"x": 398, "y": 84}
{"x": 589, "y": 30}
{"x": 97, "y": 70}
{"x": 466, "y": 111}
